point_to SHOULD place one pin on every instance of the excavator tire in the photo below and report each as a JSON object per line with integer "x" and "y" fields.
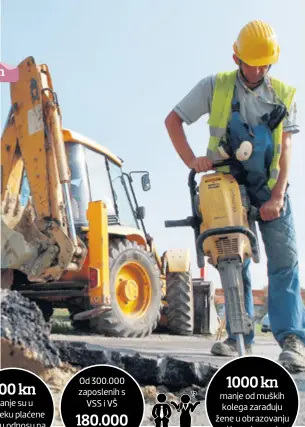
{"x": 180, "y": 300}
{"x": 135, "y": 289}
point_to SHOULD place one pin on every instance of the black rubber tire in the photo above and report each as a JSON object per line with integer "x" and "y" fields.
{"x": 115, "y": 322}
{"x": 180, "y": 300}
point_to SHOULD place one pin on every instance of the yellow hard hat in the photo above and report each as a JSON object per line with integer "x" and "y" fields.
{"x": 257, "y": 44}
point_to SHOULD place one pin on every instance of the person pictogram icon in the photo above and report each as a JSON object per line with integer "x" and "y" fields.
{"x": 185, "y": 407}
{"x": 161, "y": 411}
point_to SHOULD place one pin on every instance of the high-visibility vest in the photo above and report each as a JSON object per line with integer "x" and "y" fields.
{"x": 221, "y": 112}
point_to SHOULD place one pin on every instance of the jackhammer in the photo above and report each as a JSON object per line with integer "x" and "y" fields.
{"x": 224, "y": 224}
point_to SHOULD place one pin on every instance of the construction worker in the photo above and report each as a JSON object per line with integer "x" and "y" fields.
{"x": 248, "y": 99}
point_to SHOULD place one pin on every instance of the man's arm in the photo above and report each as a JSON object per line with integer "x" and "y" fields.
{"x": 290, "y": 127}
{"x": 174, "y": 126}
{"x": 193, "y": 106}
{"x": 272, "y": 208}
{"x": 154, "y": 411}
{"x": 169, "y": 411}
{"x": 279, "y": 189}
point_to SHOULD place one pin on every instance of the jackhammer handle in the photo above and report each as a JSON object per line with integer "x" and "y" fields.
{"x": 187, "y": 222}
{"x": 254, "y": 214}
{"x": 215, "y": 164}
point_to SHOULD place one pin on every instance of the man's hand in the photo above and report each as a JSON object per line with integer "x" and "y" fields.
{"x": 272, "y": 209}
{"x": 201, "y": 164}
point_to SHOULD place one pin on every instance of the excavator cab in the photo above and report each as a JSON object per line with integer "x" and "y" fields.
{"x": 96, "y": 177}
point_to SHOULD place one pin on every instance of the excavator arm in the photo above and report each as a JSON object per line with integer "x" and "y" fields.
{"x": 38, "y": 235}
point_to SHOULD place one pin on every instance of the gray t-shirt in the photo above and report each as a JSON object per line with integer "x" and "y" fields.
{"x": 199, "y": 100}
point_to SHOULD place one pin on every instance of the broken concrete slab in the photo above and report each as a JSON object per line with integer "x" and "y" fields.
{"x": 168, "y": 371}
{"x": 26, "y": 343}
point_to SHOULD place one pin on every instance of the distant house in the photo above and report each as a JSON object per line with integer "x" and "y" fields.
{"x": 258, "y": 299}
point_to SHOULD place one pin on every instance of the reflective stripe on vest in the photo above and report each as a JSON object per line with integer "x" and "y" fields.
{"x": 221, "y": 113}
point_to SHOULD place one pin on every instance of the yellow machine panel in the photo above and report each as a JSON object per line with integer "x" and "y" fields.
{"x": 224, "y": 208}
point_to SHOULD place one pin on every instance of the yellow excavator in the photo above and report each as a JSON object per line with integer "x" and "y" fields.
{"x": 72, "y": 232}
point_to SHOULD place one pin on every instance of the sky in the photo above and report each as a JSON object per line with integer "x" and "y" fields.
{"x": 119, "y": 67}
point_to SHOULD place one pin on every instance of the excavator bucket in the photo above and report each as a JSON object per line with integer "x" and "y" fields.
{"x": 38, "y": 234}
{"x": 15, "y": 250}
{"x": 23, "y": 247}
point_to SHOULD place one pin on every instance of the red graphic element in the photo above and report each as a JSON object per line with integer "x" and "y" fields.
{"x": 8, "y": 74}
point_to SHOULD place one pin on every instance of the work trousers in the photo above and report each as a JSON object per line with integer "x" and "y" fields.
{"x": 285, "y": 306}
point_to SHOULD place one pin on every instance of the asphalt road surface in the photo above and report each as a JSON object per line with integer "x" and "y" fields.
{"x": 193, "y": 348}
{"x": 187, "y": 348}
